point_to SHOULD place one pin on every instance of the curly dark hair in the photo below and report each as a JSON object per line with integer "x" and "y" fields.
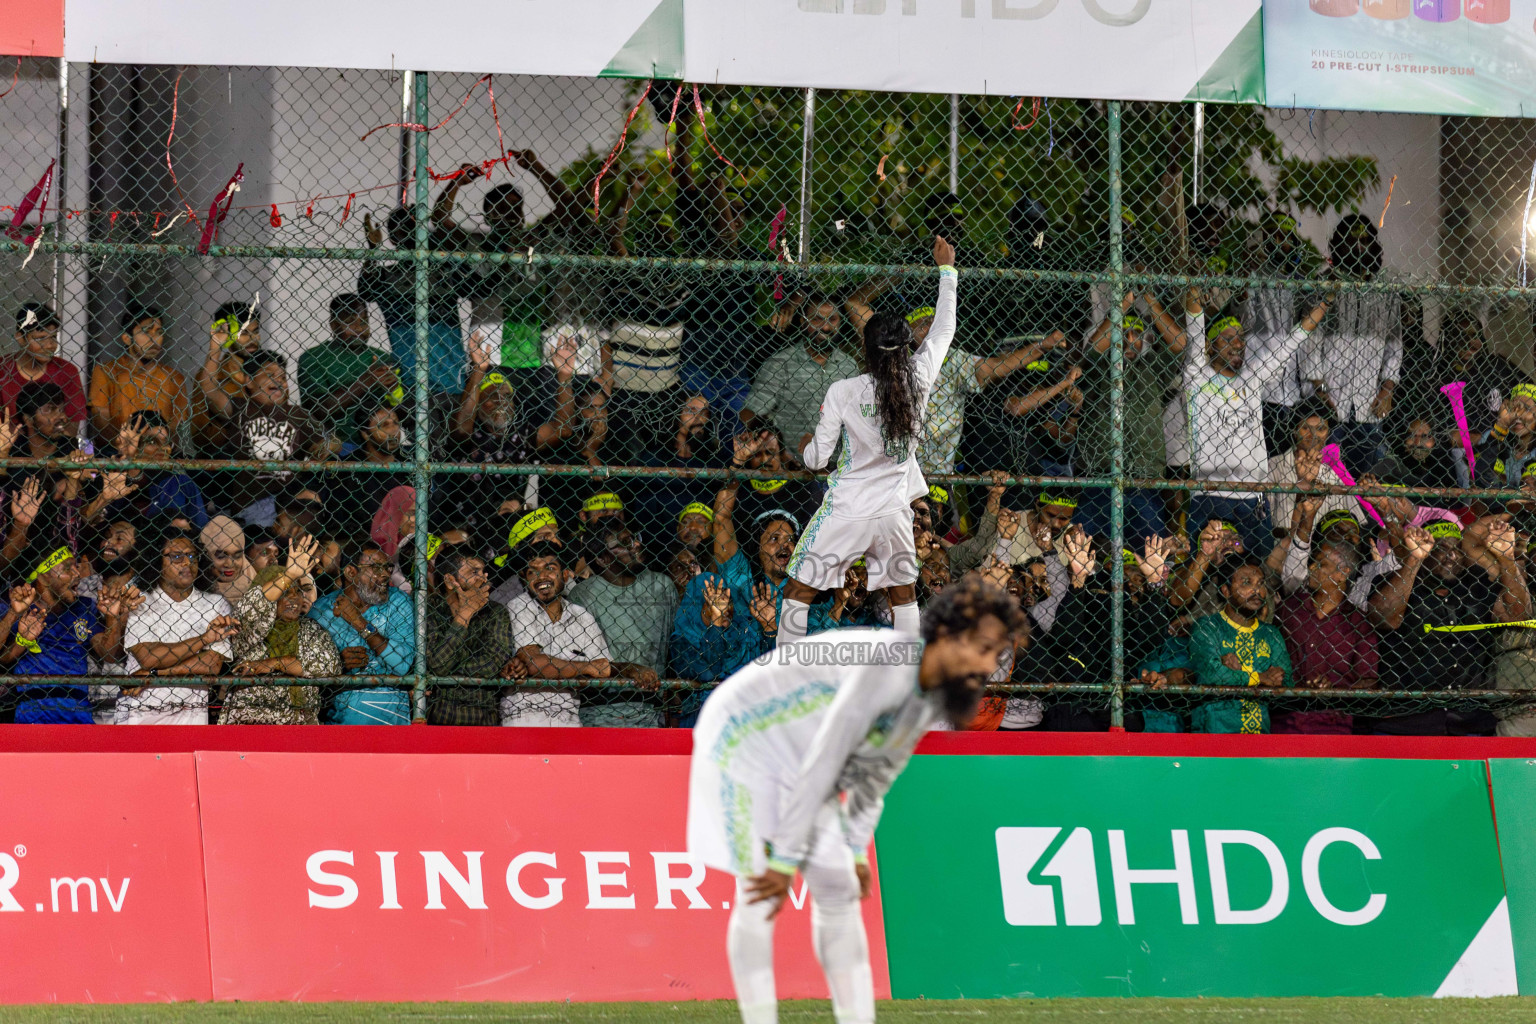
{"x": 963, "y": 604}
{"x": 888, "y": 354}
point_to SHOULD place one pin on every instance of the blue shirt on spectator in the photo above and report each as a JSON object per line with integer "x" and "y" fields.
{"x": 63, "y": 649}
{"x": 395, "y": 618}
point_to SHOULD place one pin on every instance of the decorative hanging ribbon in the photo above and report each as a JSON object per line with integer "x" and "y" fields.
{"x": 346, "y": 211}
{"x": 1034, "y": 110}
{"x": 416, "y": 126}
{"x": 618, "y": 147}
{"x": 773, "y": 239}
{"x": 275, "y": 218}
{"x": 37, "y": 193}
{"x": 175, "y": 105}
{"x": 698, "y": 108}
{"x": 1454, "y": 393}
{"x": 219, "y": 209}
{"x": 1390, "y": 186}
{"x": 1334, "y": 461}
{"x": 15, "y": 77}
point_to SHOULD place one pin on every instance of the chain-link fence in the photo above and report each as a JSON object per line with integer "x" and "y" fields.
{"x": 316, "y": 415}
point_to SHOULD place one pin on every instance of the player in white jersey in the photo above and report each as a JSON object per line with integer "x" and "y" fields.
{"x": 878, "y": 418}
{"x": 781, "y": 742}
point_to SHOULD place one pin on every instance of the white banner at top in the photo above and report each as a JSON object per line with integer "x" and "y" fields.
{"x": 587, "y": 38}
{"x": 1110, "y": 49}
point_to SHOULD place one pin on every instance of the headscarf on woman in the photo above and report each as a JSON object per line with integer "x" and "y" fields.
{"x": 389, "y": 523}
{"x": 263, "y": 635}
{"x": 224, "y": 534}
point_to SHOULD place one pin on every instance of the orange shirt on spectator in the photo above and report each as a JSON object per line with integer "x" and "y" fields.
{"x": 126, "y": 386}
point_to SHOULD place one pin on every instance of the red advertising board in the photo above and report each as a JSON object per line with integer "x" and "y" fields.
{"x": 470, "y": 877}
{"x": 101, "y": 881}
{"x": 32, "y": 28}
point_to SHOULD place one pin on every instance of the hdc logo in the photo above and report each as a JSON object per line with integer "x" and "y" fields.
{"x": 1002, "y": 10}
{"x": 1072, "y": 865}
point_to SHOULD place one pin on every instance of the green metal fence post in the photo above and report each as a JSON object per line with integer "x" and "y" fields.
{"x": 422, "y": 474}
{"x": 1116, "y": 428}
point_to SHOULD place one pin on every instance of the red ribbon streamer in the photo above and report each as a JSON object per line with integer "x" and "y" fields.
{"x": 42, "y": 190}
{"x": 773, "y": 242}
{"x": 677, "y": 98}
{"x": 618, "y": 147}
{"x": 415, "y": 126}
{"x": 15, "y": 77}
{"x": 309, "y": 214}
{"x": 275, "y": 218}
{"x": 1034, "y": 110}
{"x": 346, "y": 211}
{"x": 175, "y": 101}
{"x": 215, "y": 214}
{"x": 698, "y": 106}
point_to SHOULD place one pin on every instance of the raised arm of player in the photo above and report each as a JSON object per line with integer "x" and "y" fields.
{"x": 929, "y": 357}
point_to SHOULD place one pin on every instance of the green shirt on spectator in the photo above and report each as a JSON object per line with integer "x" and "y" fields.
{"x": 790, "y": 386}
{"x": 1258, "y": 647}
{"x": 636, "y": 620}
{"x": 328, "y": 368}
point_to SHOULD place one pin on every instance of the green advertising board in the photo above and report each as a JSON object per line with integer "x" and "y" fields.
{"x": 1514, "y": 798}
{"x": 1121, "y": 876}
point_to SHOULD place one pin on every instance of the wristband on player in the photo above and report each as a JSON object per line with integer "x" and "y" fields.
{"x": 948, "y": 269}
{"x": 783, "y": 867}
{"x": 861, "y": 859}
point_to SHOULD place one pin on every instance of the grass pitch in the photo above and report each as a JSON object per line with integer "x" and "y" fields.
{"x": 1034, "y": 1011}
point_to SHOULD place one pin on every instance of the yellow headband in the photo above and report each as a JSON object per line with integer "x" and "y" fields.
{"x": 1133, "y": 323}
{"x": 1128, "y": 557}
{"x": 940, "y": 495}
{"x": 767, "y": 486}
{"x": 434, "y": 542}
{"x": 1442, "y": 528}
{"x": 696, "y": 508}
{"x": 1047, "y": 498}
{"x": 51, "y": 562}
{"x": 920, "y": 313}
{"x": 490, "y": 380}
{"x": 603, "y": 501}
{"x": 231, "y": 326}
{"x": 1524, "y": 391}
{"x": 529, "y": 525}
{"x": 1221, "y": 325}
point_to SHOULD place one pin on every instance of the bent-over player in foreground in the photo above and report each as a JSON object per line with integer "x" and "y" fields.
{"x": 779, "y": 744}
{"x": 878, "y": 417}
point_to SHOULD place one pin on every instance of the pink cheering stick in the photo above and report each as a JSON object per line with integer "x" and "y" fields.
{"x": 1453, "y": 392}
{"x": 1331, "y": 459}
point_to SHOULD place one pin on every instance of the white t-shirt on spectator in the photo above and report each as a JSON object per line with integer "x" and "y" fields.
{"x": 160, "y": 620}
{"x": 576, "y": 637}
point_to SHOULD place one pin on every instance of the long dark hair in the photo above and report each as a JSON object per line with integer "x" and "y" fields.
{"x": 888, "y": 354}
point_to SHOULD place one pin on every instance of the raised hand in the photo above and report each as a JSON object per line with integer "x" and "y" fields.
{"x": 765, "y": 608}
{"x": 1078, "y": 549}
{"x": 30, "y": 626}
{"x": 1210, "y": 540}
{"x": 221, "y": 628}
{"x": 27, "y": 502}
{"x": 1417, "y": 544}
{"x": 372, "y": 231}
{"x": 744, "y": 446}
{"x": 480, "y": 351}
{"x": 717, "y": 602}
{"x": 9, "y": 430}
{"x": 1153, "y": 562}
{"x": 1501, "y": 539}
{"x": 996, "y": 572}
{"x": 1007, "y": 523}
{"x": 943, "y": 252}
{"x": 303, "y": 552}
{"x": 128, "y": 436}
{"x": 563, "y": 358}
{"x": 21, "y": 598}
{"x": 115, "y": 487}
{"x": 524, "y": 158}
{"x": 119, "y": 599}
{"x": 1307, "y": 465}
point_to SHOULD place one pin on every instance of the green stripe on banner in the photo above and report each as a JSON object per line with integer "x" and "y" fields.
{"x": 656, "y": 48}
{"x": 1237, "y": 76}
{"x": 1102, "y": 876}
{"x": 1514, "y": 803}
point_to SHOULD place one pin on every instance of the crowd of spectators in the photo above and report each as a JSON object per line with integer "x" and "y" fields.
{"x": 173, "y": 588}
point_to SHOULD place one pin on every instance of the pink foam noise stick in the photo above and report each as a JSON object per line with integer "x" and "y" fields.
{"x": 1453, "y": 392}
{"x": 1332, "y": 459}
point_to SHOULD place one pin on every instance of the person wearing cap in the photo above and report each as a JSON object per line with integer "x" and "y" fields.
{"x": 1510, "y": 445}
{"x": 1355, "y": 361}
{"x": 37, "y": 358}
{"x": 788, "y": 389}
{"x": 1224, "y": 417}
{"x": 50, "y": 630}
{"x": 495, "y": 425}
{"x": 1235, "y": 647}
{"x": 1446, "y": 579}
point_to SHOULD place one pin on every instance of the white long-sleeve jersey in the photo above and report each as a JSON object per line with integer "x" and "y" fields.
{"x": 872, "y": 478}
{"x": 802, "y": 734}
